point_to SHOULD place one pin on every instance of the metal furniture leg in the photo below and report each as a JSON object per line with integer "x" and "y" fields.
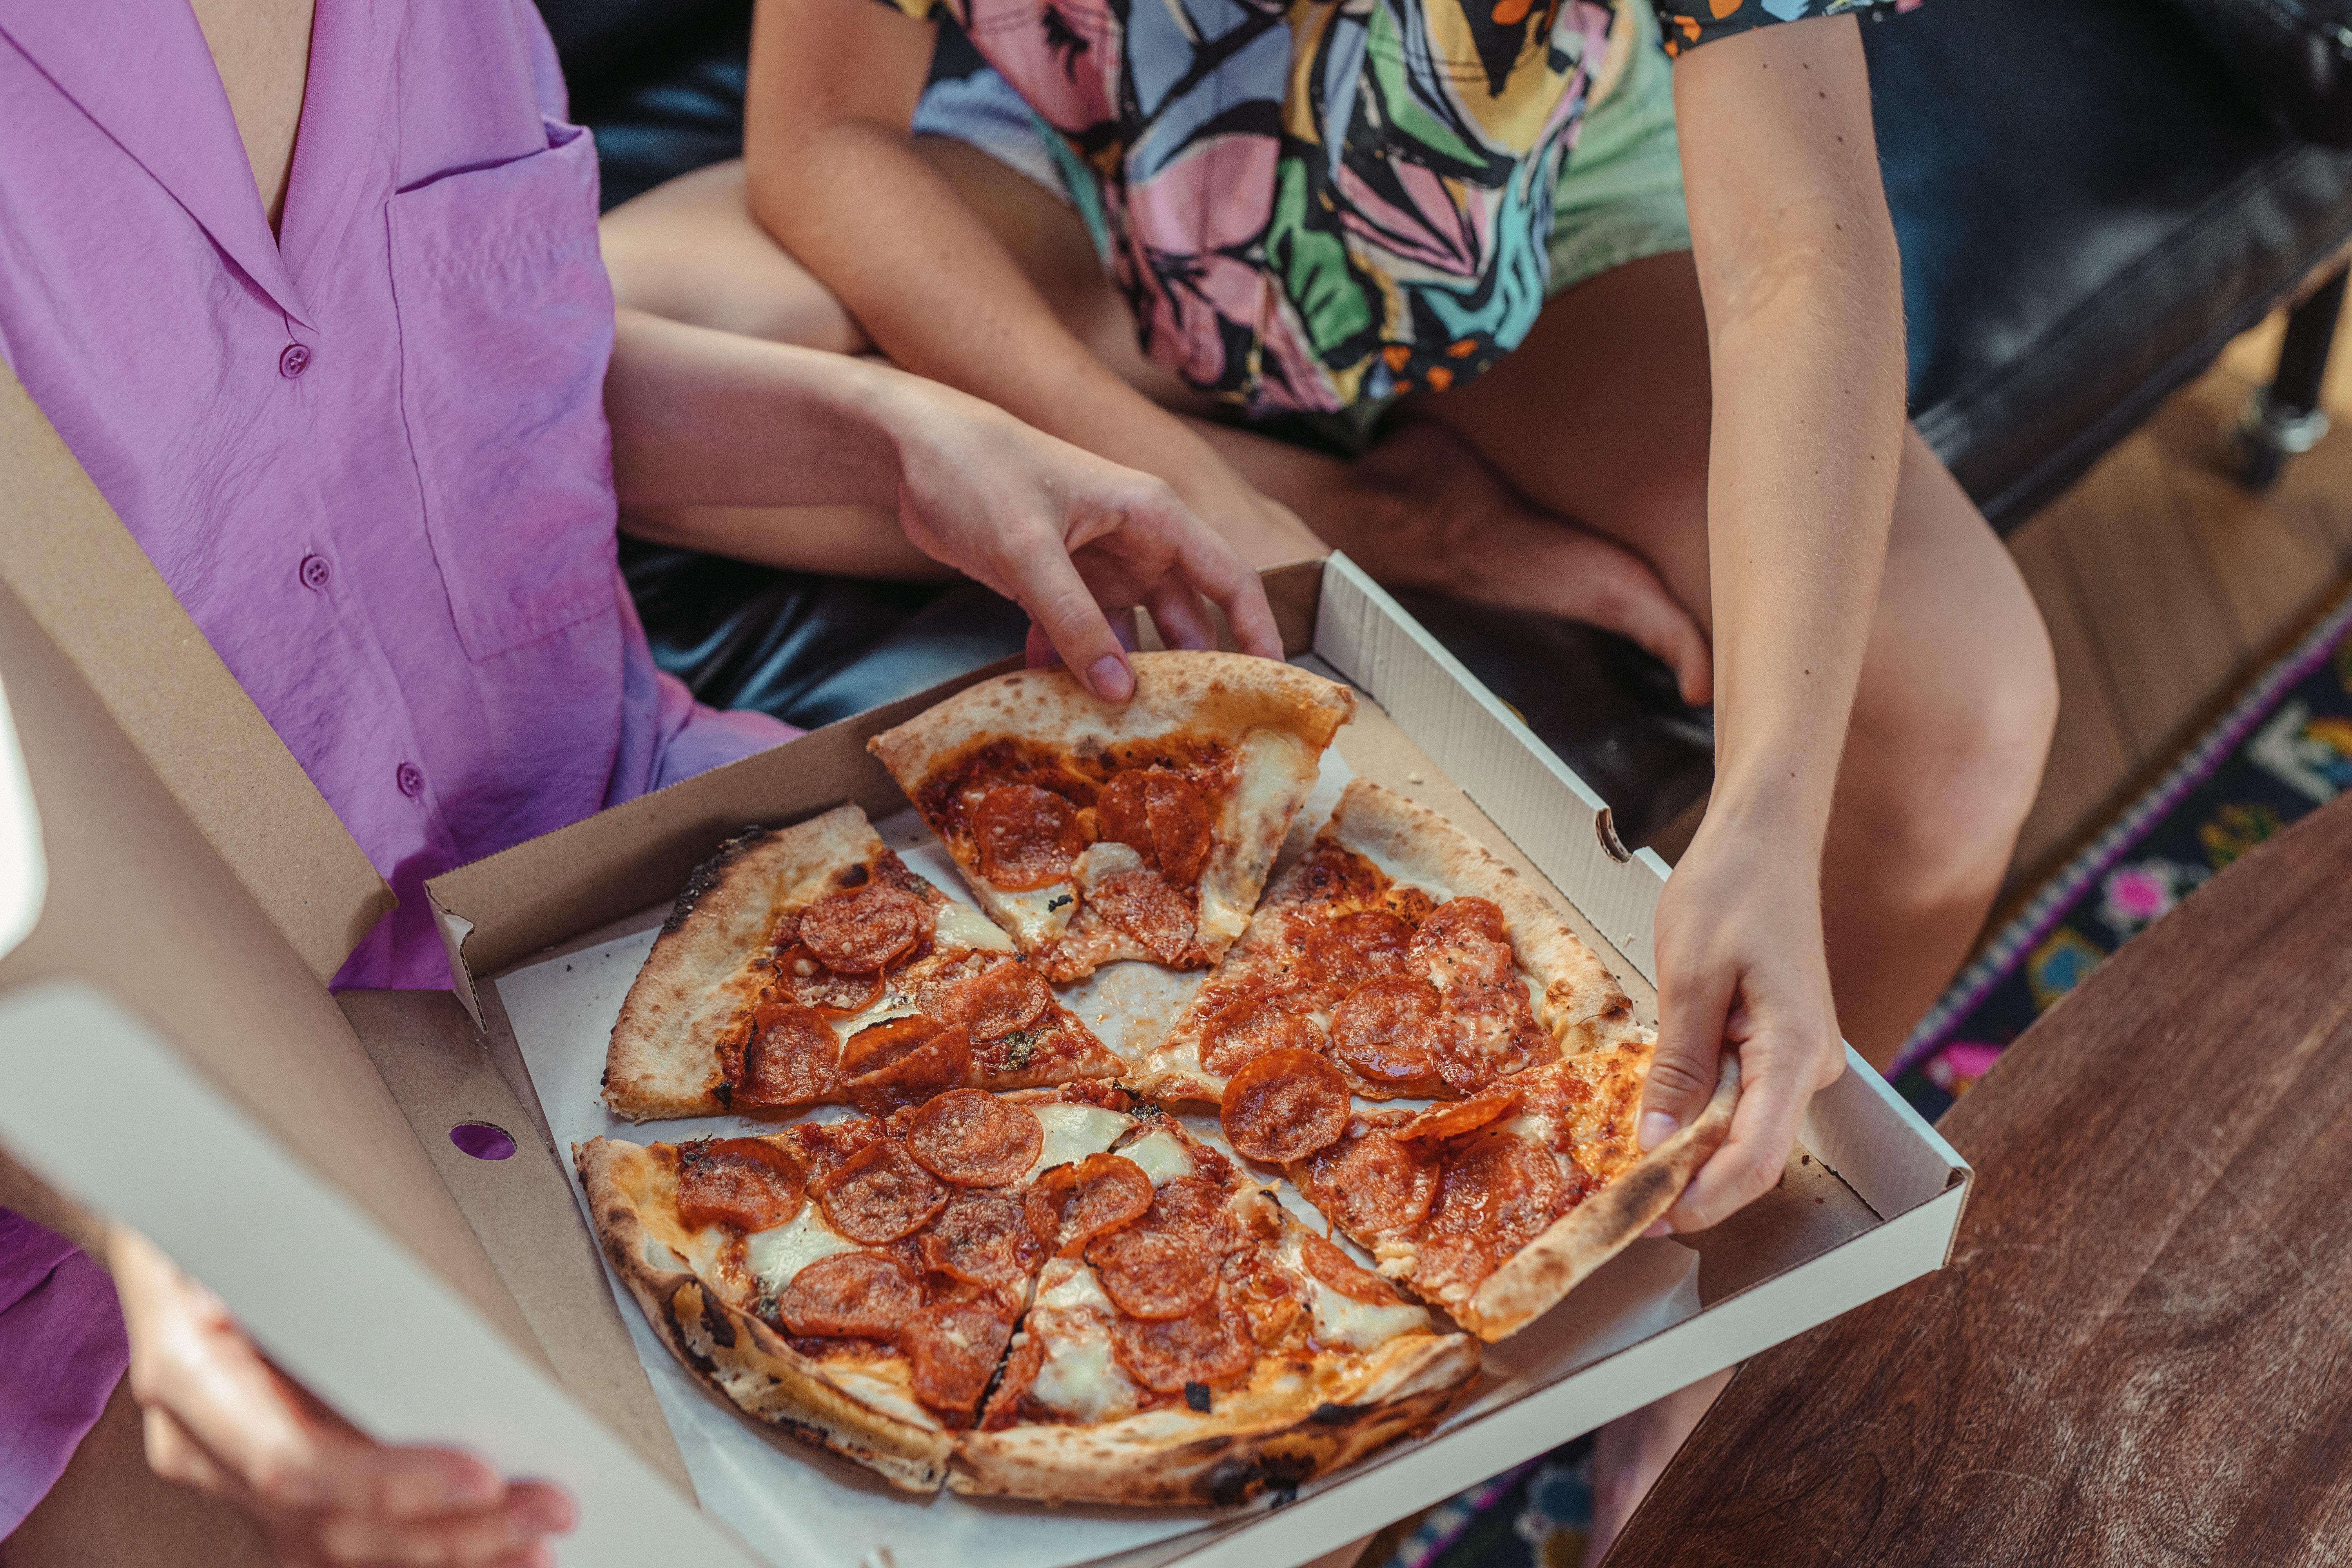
{"x": 2284, "y": 418}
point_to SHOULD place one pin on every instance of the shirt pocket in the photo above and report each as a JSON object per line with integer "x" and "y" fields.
{"x": 506, "y": 327}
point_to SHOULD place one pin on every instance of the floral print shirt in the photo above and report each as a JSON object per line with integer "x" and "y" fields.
{"x": 1315, "y": 204}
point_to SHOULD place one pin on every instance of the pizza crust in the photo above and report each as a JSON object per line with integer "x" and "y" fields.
{"x": 1276, "y": 1435}
{"x": 694, "y": 991}
{"x": 1535, "y": 1278}
{"x": 736, "y": 1355}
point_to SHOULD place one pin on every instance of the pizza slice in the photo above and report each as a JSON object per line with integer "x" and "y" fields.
{"x": 854, "y": 1283}
{"x": 1040, "y": 1295}
{"x": 808, "y": 965}
{"x": 1496, "y": 1206}
{"x": 1398, "y": 947}
{"x": 1095, "y": 833}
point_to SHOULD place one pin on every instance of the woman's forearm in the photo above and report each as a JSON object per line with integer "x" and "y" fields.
{"x": 1798, "y": 265}
{"x": 834, "y": 174}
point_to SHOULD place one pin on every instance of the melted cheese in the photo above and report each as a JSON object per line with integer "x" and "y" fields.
{"x": 1160, "y": 1155}
{"x": 1350, "y": 1324}
{"x": 1038, "y": 917}
{"x": 1073, "y": 1133}
{"x": 775, "y": 1255}
{"x": 1104, "y": 860}
{"x": 962, "y": 926}
{"x": 1080, "y": 1376}
{"x": 1340, "y": 1321}
{"x": 882, "y": 1395}
{"x": 1068, "y": 1285}
{"x": 1274, "y": 774}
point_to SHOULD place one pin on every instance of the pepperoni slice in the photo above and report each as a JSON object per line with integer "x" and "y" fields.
{"x": 1071, "y": 1204}
{"x": 1371, "y": 1183}
{"x": 1164, "y": 1354}
{"x": 954, "y": 1347}
{"x": 747, "y": 1183}
{"x": 862, "y": 930}
{"x": 792, "y": 1058}
{"x": 1283, "y": 1106}
{"x": 1145, "y": 906}
{"x": 1020, "y": 1370}
{"x": 1459, "y": 922}
{"x": 849, "y": 1295}
{"x": 1391, "y": 1030}
{"x": 1364, "y": 945}
{"x": 836, "y": 995}
{"x": 903, "y": 1061}
{"x": 1149, "y": 1272}
{"x": 1256, "y": 1021}
{"x": 1162, "y": 815}
{"x": 971, "y": 1138}
{"x": 983, "y": 1239}
{"x": 997, "y": 1001}
{"x": 1500, "y": 1190}
{"x": 1442, "y": 1122}
{"x": 1026, "y": 837}
{"x": 879, "y": 1195}
{"x": 1193, "y": 1204}
{"x": 1333, "y": 1266}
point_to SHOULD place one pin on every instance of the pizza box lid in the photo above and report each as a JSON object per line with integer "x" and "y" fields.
{"x": 176, "y": 894}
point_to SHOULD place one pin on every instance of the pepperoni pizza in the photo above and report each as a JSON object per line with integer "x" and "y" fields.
{"x": 1398, "y": 959}
{"x": 1406, "y": 956}
{"x": 1043, "y": 1295}
{"x": 1094, "y": 832}
{"x": 811, "y": 966}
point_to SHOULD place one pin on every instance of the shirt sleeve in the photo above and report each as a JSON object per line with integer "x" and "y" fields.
{"x": 1686, "y": 23}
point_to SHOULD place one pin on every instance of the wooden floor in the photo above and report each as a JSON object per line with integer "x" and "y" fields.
{"x": 2166, "y": 587}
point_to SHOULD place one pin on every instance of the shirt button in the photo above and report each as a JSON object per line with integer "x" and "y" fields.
{"x": 411, "y": 780}
{"x": 293, "y": 359}
{"x": 315, "y": 570}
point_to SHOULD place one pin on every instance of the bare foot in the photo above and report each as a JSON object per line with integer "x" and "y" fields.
{"x": 1423, "y": 510}
{"x": 1630, "y": 1453}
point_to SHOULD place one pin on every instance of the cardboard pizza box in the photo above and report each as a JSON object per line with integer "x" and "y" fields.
{"x": 174, "y": 1059}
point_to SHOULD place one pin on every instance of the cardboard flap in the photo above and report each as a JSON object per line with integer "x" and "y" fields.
{"x": 89, "y": 586}
{"x": 519, "y": 1203}
{"x": 1498, "y": 760}
{"x": 330, "y": 1292}
{"x": 139, "y": 905}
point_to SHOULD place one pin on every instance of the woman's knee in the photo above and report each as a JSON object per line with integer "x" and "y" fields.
{"x": 1958, "y": 698}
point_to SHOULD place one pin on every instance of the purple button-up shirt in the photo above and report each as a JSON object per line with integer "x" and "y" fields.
{"x": 369, "y": 453}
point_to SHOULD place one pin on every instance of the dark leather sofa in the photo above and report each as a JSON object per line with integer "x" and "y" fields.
{"x": 2093, "y": 196}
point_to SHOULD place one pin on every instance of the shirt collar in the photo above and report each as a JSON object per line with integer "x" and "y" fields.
{"x": 140, "y": 70}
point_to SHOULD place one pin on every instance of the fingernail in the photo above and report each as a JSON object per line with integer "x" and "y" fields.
{"x": 1659, "y": 1227}
{"x": 1109, "y": 677}
{"x": 1657, "y": 1127}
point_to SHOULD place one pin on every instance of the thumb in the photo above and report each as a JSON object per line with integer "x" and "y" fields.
{"x": 1690, "y": 1051}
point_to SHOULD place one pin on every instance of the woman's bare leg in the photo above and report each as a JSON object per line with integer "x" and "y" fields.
{"x": 1603, "y": 415}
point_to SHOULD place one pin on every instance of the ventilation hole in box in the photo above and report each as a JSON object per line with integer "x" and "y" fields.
{"x": 483, "y": 1139}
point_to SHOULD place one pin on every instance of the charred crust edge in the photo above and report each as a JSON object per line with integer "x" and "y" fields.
{"x": 707, "y": 876}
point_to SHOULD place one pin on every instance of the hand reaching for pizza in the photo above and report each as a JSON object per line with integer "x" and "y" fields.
{"x": 1072, "y": 538}
{"x": 1740, "y": 965}
{"x": 220, "y": 1417}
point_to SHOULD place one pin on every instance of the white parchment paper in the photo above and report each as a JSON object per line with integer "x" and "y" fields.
{"x": 805, "y": 1509}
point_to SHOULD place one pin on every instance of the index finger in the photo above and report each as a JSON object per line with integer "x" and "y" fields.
{"x": 1220, "y": 576}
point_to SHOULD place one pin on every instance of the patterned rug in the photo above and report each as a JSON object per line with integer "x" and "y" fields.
{"x": 2281, "y": 750}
